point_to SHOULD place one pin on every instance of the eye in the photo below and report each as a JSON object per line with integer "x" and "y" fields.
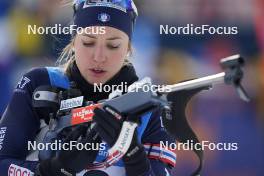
{"x": 110, "y": 46}
{"x": 88, "y": 44}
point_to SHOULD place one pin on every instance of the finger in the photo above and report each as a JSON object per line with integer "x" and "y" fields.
{"x": 107, "y": 129}
{"x": 105, "y": 136}
{"x": 75, "y": 134}
{"x": 91, "y": 136}
{"x": 87, "y": 140}
{"x": 107, "y": 118}
{"x": 100, "y": 119}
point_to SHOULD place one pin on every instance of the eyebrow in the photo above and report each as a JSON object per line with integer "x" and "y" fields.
{"x": 94, "y": 37}
{"x": 113, "y": 38}
{"x": 88, "y": 35}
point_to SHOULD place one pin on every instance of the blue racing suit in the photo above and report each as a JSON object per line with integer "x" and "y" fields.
{"x": 20, "y": 123}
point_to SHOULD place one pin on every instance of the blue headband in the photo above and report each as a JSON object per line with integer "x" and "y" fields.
{"x": 105, "y": 16}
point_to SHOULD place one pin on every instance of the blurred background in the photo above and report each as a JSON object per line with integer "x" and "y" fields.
{"x": 217, "y": 115}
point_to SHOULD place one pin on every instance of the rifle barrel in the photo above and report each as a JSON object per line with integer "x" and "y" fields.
{"x": 195, "y": 83}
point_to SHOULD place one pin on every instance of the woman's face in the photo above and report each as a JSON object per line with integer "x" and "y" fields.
{"x": 100, "y": 56}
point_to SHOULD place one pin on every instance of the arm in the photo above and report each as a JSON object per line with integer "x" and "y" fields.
{"x": 20, "y": 124}
{"x": 162, "y": 160}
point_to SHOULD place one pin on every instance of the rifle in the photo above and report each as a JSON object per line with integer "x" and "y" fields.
{"x": 75, "y": 111}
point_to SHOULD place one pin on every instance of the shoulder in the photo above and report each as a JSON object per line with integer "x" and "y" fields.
{"x": 39, "y": 76}
{"x": 32, "y": 79}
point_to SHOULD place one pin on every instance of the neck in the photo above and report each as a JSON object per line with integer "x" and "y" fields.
{"x": 126, "y": 76}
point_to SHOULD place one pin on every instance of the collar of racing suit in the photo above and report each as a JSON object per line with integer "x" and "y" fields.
{"x": 126, "y": 76}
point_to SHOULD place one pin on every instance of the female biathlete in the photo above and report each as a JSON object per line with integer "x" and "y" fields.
{"x": 89, "y": 59}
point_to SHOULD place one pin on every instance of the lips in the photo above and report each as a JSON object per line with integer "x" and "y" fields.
{"x": 97, "y": 71}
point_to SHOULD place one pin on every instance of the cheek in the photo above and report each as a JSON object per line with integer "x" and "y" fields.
{"x": 82, "y": 55}
{"x": 116, "y": 59}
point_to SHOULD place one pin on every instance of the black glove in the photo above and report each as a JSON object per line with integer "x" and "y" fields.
{"x": 109, "y": 127}
{"x": 70, "y": 162}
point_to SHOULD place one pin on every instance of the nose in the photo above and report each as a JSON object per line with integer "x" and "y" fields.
{"x": 99, "y": 54}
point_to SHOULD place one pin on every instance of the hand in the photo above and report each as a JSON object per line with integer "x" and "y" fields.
{"x": 108, "y": 125}
{"x": 70, "y": 162}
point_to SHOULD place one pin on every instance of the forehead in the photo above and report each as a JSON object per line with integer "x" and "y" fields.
{"x": 104, "y": 32}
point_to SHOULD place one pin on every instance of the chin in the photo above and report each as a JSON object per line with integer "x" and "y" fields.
{"x": 97, "y": 81}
